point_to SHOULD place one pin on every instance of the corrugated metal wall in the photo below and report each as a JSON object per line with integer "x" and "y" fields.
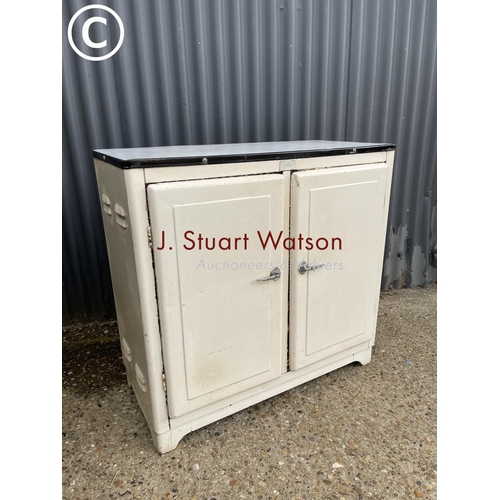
{"x": 214, "y": 71}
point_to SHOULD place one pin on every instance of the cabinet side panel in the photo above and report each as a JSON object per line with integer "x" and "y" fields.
{"x": 383, "y": 232}
{"x": 124, "y": 211}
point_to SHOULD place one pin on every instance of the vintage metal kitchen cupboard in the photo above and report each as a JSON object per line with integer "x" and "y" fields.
{"x": 241, "y": 270}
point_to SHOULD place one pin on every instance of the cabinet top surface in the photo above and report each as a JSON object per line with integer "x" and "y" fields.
{"x": 229, "y": 153}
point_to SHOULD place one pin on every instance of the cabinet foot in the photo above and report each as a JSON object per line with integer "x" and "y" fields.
{"x": 168, "y": 440}
{"x": 364, "y": 357}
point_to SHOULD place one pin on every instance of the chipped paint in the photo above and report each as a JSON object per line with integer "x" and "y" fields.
{"x": 418, "y": 267}
{"x": 396, "y": 265}
{"x": 407, "y": 265}
{"x": 432, "y": 274}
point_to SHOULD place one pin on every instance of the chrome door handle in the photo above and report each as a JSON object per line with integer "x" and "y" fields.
{"x": 275, "y": 275}
{"x": 304, "y": 267}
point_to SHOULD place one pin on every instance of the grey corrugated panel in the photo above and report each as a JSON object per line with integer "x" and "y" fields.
{"x": 392, "y": 97}
{"x": 214, "y": 71}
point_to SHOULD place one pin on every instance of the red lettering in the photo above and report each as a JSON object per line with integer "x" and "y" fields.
{"x": 228, "y": 246}
{"x": 162, "y": 241}
{"x": 189, "y": 239}
{"x": 290, "y": 242}
{"x": 270, "y": 236}
{"x": 325, "y": 243}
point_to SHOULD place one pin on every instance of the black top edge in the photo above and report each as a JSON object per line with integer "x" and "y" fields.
{"x": 214, "y": 159}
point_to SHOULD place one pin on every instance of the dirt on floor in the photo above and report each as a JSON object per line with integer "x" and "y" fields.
{"x": 360, "y": 432}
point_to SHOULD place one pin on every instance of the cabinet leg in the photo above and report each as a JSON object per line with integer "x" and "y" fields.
{"x": 168, "y": 440}
{"x": 364, "y": 357}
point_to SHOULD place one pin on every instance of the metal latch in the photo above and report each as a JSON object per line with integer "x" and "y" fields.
{"x": 275, "y": 275}
{"x": 304, "y": 267}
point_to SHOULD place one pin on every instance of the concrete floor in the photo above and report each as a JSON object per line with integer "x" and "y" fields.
{"x": 357, "y": 433}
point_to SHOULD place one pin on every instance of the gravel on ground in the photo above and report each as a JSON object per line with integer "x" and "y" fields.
{"x": 361, "y": 432}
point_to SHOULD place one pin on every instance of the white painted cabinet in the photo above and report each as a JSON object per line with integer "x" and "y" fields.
{"x": 242, "y": 270}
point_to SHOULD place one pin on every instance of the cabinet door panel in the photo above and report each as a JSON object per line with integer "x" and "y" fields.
{"x": 221, "y": 329}
{"x": 333, "y": 307}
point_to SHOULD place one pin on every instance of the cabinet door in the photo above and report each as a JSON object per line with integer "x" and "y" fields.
{"x": 221, "y": 328}
{"x": 333, "y": 307}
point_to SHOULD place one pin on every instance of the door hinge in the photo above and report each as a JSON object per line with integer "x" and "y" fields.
{"x": 150, "y": 237}
{"x": 164, "y": 382}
